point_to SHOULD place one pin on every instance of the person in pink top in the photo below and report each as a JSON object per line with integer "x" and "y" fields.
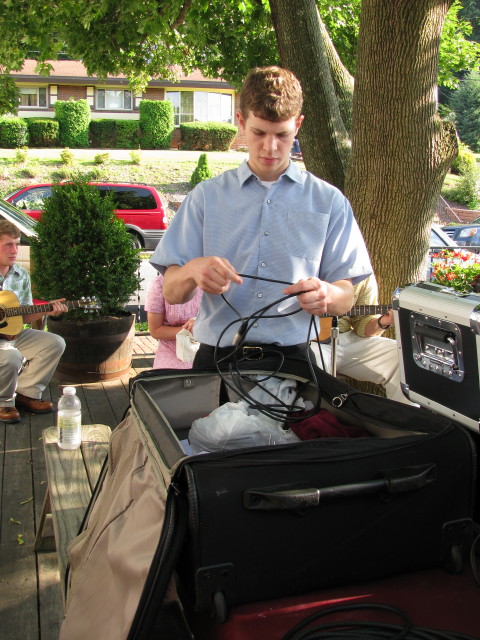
{"x": 165, "y": 320}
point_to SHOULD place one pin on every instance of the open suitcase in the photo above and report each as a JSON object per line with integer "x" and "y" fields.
{"x": 265, "y": 522}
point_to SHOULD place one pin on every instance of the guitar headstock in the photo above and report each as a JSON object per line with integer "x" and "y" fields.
{"x": 91, "y": 303}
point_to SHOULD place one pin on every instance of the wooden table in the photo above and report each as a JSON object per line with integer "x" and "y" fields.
{"x": 72, "y": 477}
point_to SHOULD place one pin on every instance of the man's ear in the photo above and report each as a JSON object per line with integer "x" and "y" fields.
{"x": 240, "y": 119}
{"x": 299, "y": 123}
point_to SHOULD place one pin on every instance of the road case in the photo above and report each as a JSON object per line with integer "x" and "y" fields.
{"x": 438, "y": 337}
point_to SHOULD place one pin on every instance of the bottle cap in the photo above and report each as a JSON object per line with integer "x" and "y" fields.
{"x": 69, "y": 391}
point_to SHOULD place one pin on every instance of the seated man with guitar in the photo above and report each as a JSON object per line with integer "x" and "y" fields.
{"x": 362, "y": 352}
{"x": 28, "y": 357}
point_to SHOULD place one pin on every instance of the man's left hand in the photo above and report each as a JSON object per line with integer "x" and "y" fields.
{"x": 58, "y": 307}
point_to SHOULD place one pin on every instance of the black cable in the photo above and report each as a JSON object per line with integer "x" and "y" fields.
{"x": 277, "y": 410}
{"x": 366, "y": 630}
{"x": 473, "y": 558}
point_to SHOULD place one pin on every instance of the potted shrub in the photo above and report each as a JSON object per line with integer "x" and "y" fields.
{"x": 83, "y": 250}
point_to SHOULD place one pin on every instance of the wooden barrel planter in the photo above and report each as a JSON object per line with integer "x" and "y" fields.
{"x": 95, "y": 350}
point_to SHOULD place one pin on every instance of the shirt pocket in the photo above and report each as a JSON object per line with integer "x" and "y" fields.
{"x": 306, "y": 233}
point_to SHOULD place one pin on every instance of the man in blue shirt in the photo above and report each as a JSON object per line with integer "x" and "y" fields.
{"x": 267, "y": 219}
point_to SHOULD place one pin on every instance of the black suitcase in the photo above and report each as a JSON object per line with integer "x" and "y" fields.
{"x": 267, "y": 522}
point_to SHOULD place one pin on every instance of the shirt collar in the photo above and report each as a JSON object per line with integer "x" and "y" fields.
{"x": 292, "y": 172}
{"x": 13, "y": 269}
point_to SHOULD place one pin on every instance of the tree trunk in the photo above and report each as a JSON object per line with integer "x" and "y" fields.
{"x": 324, "y": 141}
{"x": 401, "y": 150}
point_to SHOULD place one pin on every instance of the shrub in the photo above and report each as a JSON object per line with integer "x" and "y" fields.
{"x": 43, "y": 132}
{"x": 66, "y": 156}
{"x": 13, "y": 133}
{"x": 102, "y": 158}
{"x": 465, "y": 161}
{"x": 21, "y": 155}
{"x": 467, "y": 191}
{"x": 103, "y": 133}
{"x": 136, "y": 157}
{"x": 156, "y": 124}
{"x": 92, "y": 256}
{"x": 114, "y": 134}
{"x": 213, "y": 136}
{"x": 128, "y": 134}
{"x": 74, "y": 119}
{"x": 202, "y": 171}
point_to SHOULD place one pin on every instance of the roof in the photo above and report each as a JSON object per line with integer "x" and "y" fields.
{"x": 74, "y": 72}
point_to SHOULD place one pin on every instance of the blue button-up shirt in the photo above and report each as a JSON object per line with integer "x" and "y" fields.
{"x": 298, "y": 228}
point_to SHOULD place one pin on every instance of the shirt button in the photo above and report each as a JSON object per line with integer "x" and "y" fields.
{"x": 266, "y": 233}
{"x": 255, "y": 325}
{"x": 269, "y": 201}
{"x": 259, "y": 295}
{"x": 263, "y": 264}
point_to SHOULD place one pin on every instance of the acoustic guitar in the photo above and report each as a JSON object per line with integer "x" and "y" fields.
{"x": 11, "y": 313}
{"x": 359, "y": 310}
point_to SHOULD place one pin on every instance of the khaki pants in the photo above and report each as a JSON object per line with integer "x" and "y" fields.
{"x": 372, "y": 359}
{"x": 42, "y": 351}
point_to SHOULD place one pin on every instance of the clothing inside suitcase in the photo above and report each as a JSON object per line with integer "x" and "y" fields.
{"x": 274, "y": 521}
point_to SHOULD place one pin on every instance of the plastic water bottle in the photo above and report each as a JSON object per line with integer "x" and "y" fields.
{"x": 69, "y": 420}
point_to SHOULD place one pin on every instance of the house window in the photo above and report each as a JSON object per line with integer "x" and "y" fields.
{"x": 33, "y": 97}
{"x": 200, "y": 106}
{"x": 112, "y": 99}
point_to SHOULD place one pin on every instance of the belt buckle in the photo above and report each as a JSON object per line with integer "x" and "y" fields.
{"x": 252, "y": 352}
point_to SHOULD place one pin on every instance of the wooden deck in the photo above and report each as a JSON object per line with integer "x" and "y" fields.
{"x": 30, "y": 599}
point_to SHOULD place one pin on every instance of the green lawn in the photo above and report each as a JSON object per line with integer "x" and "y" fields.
{"x": 169, "y": 176}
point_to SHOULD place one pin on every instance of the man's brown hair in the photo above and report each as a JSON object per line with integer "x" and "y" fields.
{"x": 271, "y": 93}
{"x": 9, "y": 229}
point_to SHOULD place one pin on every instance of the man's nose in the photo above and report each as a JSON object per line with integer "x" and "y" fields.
{"x": 270, "y": 144}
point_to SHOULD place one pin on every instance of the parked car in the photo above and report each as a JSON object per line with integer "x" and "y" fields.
{"x": 138, "y": 205}
{"x": 465, "y": 235}
{"x": 439, "y": 239}
{"x": 25, "y": 224}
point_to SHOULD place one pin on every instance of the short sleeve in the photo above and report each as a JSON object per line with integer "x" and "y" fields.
{"x": 154, "y": 301}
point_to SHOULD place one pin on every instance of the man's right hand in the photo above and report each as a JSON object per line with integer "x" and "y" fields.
{"x": 213, "y": 274}
{"x": 210, "y": 274}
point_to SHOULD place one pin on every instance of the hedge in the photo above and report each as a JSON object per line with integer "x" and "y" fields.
{"x": 13, "y": 133}
{"x": 156, "y": 124}
{"x": 74, "y": 119}
{"x": 43, "y": 132}
{"x": 207, "y": 136}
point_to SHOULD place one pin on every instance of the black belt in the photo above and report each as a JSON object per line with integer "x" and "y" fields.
{"x": 254, "y": 351}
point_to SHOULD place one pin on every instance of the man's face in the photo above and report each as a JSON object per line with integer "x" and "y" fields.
{"x": 269, "y": 144}
{"x": 8, "y": 250}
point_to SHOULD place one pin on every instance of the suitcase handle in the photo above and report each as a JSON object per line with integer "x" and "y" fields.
{"x": 392, "y": 482}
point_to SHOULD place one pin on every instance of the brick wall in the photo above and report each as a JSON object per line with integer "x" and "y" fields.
{"x": 65, "y": 92}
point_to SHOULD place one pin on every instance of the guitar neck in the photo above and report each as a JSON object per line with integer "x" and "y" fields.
{"x": 28, "y": 309}
{"x": 364, "y": 310}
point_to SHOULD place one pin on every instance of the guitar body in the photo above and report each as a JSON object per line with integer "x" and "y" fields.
{"x": 9, "y": 326}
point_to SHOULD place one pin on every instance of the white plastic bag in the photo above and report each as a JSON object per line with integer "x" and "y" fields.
{"x": 186, "y": 345}
{"x": 235, "y": 425}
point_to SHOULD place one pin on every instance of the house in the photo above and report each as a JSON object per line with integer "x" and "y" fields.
{"x": 194, "y": 97}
